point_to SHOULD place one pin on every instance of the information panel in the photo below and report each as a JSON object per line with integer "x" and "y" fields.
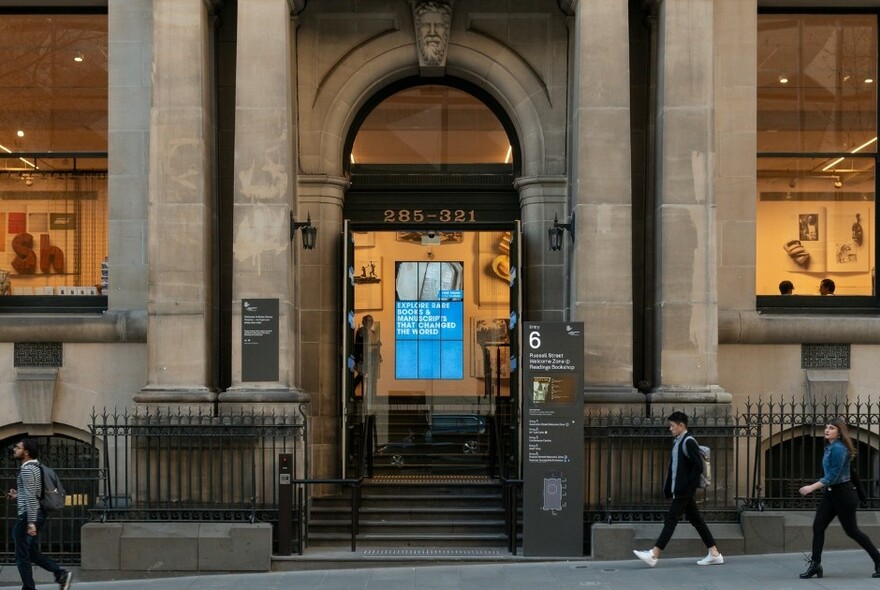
{"x": 259, "y": 340}
{"x": 553, "y": 439}
{"x": 428, "y": 318}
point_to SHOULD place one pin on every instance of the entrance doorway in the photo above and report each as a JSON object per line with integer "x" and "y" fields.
{"x": 432, "y": 289}
{"x": 430, "y": 340}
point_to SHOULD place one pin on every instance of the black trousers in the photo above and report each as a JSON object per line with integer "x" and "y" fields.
{"x": 27, "y": 553}
{"x": 840, "y": 500}
{"x": 688, "y": 507}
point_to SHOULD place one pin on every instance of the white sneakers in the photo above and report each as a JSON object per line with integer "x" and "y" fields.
{"x": 646, "y": 556}
{"x": 711, "y": 560}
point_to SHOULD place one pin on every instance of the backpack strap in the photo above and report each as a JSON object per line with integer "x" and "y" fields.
{"x": 699, "y": 459}
{"x": 42, "y": 482}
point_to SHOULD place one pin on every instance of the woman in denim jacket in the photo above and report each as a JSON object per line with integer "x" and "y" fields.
{"x": 840, "y": 499}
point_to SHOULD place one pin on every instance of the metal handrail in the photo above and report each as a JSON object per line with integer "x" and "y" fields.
{"x": 300, "y": 499}
{"x": 509, "y": 487}
{"x": 365, "y": 469}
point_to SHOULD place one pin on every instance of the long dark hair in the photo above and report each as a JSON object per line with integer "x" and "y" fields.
{"x": 840, "y": 424}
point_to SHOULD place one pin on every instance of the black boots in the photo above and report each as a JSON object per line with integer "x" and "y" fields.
{"x": 814, "y": 568}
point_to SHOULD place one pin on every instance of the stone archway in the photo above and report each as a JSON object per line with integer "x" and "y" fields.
{"x": 507, "y": 78}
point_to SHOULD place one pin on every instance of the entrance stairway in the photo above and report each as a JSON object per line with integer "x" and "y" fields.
{"x": 414, "y": 511}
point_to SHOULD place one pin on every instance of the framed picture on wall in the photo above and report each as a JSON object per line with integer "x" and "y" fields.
{"x": 38, "y": 223}
{"x": 62, "y": 221}
{"x": 490, "y": 347}
{"x": 367, "y": 283}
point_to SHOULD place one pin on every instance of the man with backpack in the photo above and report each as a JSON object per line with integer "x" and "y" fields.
{"x": 31, "y": 518}
{"x": 682, "y": 482}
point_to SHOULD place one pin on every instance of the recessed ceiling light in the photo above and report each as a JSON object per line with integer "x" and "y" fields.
{"x": 20, "y": 133}
{"x": 869, "y": 80}
{"x": 78, "y": 57}
{"x": 783, "y": 79}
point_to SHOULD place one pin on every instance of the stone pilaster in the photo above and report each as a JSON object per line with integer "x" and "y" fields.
{"x": 319, "y": 275}
{"x": 178, "y": 306}
{"x": 130, "y": 88}
{"x": 542, "y": 198}
{"x": 687, "y": 296}
{"x": 602, "y": 294}
{"x": 265, "y": 179}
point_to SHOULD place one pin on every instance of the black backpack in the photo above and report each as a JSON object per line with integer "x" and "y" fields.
{"x": 52, "y": 494}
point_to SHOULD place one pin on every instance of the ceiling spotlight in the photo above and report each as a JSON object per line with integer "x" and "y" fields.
{"x": 837, "y": 182}
{"x": 783, "y": 79}
{"x": 78, "y": 57}
{"x": 792, "y": 183}
{"x": 19, "y": 133}
{"x": 869, "y": 80}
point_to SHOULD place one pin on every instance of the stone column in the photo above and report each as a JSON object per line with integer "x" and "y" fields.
{"x": 541, "y": 198}
{"x": 178, "y": 301}
{"x": 320, "y": 280}
{"x": 687, "y": 296}
{"x": 602, "y": 289}
{"x": 265, "y": 176}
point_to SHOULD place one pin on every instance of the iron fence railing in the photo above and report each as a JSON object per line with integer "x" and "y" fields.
{"x": 176, "y": 466}
{"x": 761, "y": 456}
{"x": 163, "y": 465}
{"x": 790, "y": 436}
{"x": 627, "y": 458}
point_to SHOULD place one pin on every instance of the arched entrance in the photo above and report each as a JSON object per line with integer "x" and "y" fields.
{"x": 432, "y": 281}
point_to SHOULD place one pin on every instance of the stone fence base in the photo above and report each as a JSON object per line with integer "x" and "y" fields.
{"x": 757, "y": 533}
{"x": 138, "y": 549}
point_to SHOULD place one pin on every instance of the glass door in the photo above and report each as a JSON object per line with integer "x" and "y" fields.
{"x": 428, "y": 341}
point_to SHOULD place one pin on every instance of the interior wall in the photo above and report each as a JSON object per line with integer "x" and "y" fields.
{"x": 829, "y": 242}
{"x": 73, "y": 214}
{"x": 486, "y": 299}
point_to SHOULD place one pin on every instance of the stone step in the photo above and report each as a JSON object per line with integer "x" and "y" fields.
{"x": 410, "y": 540}
{"x": 415, "y": 511}
{"x": 412, "y": 510}
{"x": 410, "y": 527}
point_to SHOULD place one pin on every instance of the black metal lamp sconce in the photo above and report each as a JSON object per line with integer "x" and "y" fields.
{"x": 309, "y": 231}
{"x": 556, "y": 232}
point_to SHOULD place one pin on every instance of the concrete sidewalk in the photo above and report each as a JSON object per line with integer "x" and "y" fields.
{"x": 843, "y": 569}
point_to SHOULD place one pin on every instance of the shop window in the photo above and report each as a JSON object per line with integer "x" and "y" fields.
{"x": 53, "y": 160}
{"x": 816, "y": 211}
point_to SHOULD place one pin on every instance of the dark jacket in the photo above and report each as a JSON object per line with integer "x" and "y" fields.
{"x": 690, "y": 466}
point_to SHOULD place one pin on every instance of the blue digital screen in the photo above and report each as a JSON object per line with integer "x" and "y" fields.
{"x": 429, "y": 317}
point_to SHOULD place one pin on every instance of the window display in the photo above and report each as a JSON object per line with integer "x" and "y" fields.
{"x": 817, "y": 152}
{"x": 53, "y": 154}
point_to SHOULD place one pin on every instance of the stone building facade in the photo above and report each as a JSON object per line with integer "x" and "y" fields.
{"x": 641, "y": 120}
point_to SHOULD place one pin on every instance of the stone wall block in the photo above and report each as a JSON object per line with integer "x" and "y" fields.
{"x": 165, "y": 546}
{"x": 35, "y": 394}
{"x": 101, "y": 546}
{"x": 235, "y": 547}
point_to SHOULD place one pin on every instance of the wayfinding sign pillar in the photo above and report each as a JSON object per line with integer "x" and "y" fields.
{"x": 553, "y": 439}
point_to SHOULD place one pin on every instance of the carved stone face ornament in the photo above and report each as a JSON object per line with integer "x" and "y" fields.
{"x": 432, "y": 20}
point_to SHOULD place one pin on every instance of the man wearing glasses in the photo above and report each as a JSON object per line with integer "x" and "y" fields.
{"x": 31, "y": 518}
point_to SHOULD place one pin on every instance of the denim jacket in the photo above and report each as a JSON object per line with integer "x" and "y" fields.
{"x": 835, "y": 464}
